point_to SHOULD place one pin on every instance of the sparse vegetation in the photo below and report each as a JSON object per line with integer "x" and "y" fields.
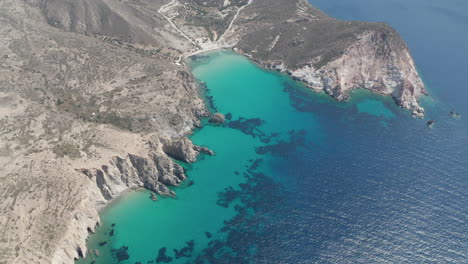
{"x": 67, "y": 149}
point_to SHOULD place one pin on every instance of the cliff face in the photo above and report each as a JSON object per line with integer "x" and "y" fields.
{"x": 371, "y": 63}
{"x": 328, "y": 54}
{"x": 153, "y": 171}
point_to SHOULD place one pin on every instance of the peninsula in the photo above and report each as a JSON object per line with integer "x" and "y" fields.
{"x": 95, "y": 98}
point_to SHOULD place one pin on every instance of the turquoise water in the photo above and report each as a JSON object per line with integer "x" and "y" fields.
{"x": 145, "y": 226}
{"x": 248, "y": 93}
{"x": 300, "y": 178}
{"x": 375, "y": 108}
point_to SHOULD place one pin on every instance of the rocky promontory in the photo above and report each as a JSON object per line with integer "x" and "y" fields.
{"x": 328, "y": 54}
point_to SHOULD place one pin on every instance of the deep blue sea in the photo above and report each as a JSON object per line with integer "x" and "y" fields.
{"x": 300, "y": 178}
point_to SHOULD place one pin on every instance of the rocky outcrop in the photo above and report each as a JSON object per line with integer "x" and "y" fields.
{"x": 184, "y": 150}
{"x": 217, "y": 118}
{"x": 148, "y": 167}
{"x": 372, "y": 63}
{"x": 203, "y": 150}
{"x": 200, "y": 113}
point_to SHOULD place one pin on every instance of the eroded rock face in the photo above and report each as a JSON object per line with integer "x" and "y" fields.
{"x": 154, "y": 173}
{"x": 372, "y": 63}
{"x": 183, "y": 149}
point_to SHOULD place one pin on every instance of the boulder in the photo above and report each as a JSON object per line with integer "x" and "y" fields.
{"x": 217, "y": 118}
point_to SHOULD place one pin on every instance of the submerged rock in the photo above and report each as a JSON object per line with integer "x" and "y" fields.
{"x": 186, "y": 251}
{"x": 121, "y": 254}
{"x": 102, "y": 243}
{"x": 163, "y": 257}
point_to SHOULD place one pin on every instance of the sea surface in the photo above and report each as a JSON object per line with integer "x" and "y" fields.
{"x": 300, "y": 178}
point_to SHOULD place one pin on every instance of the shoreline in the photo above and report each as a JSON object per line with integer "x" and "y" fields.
{"x": 288, "y": 74}
{"x": 119, "y": 197}
{"x": 129, "y": 191}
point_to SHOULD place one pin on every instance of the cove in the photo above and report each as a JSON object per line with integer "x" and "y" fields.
{"x": 135, "y": 229}
{"x": 300, "y": 178}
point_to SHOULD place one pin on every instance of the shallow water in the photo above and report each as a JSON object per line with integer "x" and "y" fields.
{"x": 299, "y": 178}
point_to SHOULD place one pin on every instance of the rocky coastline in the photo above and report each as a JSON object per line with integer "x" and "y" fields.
{"x": 370, "y": 56}
{"x": 405, "y": 94}
{"x": 155, "y": 171}
{"x": 95, "y": 102}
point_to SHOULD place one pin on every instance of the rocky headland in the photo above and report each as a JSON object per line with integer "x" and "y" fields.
{"x": 327, "y": 54}
{"x": 94, "y": 99}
